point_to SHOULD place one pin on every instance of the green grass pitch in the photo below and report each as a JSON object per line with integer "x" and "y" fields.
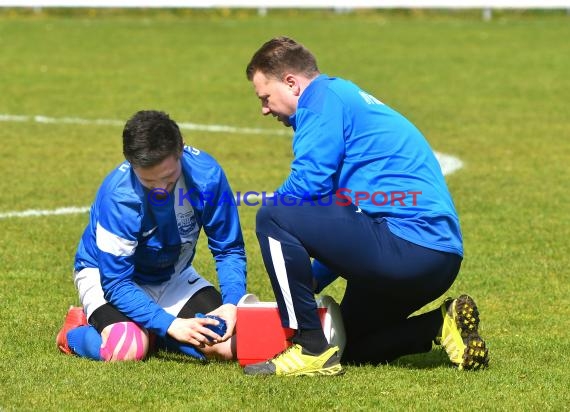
{"x": 494, "y": 94}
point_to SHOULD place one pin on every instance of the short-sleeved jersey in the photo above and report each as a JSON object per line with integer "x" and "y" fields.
{"x": 134, "y": 237}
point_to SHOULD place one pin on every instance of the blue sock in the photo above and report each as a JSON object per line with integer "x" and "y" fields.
{"x": 186, "y": 349}
{"x": 85, "y": 341}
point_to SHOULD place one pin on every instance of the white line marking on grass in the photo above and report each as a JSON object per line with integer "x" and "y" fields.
{"x": 35, "y": 212}
{"x": 214, "y": 128}
{"x": 448, "y": 163}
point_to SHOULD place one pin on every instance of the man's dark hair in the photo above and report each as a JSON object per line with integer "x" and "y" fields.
{"x": 281, "y": 55}
{"x": 149, "y": 137}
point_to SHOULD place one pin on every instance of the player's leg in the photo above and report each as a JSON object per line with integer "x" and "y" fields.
{"x": 121, "y": 338}
{"x": 454, "y": 325}
{"x": 204, "y": 301}
{"x": 87, "y": 284}
{"x": 343, "y": 238}
{"x": 115, "y": 338}
{"x": 185, "y": 295}
{"x": 378, "y": 329}
{"x": 360, "y": 249}
{"x": 109, "y": 336}
{"x": 408, "y": 277}
{"x": 290, "y": 234}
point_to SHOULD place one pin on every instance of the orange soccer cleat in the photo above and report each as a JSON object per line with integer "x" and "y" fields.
{"x": 75, "y": 317}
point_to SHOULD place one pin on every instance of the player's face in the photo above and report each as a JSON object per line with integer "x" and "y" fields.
{"x": 161, "y": 176}
{"x": 277, "y": 97}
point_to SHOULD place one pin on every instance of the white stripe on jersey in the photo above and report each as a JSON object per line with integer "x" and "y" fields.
{"x": 115, "y": 245}
{"x": 281, "y": 272}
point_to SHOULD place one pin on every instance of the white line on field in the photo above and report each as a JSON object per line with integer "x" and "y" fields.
{"x": 448, "y": 163}
{"x": 214, "y": 128}
{"x": 34, "y": 212}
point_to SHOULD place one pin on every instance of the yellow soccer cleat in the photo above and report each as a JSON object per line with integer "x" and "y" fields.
{"x": 296, "y": 361}
{"x": 460, "y": 335}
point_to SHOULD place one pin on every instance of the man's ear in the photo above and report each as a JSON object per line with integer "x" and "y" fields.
{"x": 293, "y": 83}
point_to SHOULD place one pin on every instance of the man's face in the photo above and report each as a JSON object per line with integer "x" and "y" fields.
{"x": 278, "y": 97}
{"x": 162, "y": 176}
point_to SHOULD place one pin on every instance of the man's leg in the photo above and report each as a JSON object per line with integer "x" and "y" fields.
{"x": 382, "y": 338}
{"x": 378, "y": 328}
{"x": 204, "y": 301}
{"x": 364, "y": 252}
{"x": 289, "y": 236}
{"x": 186, "y": 294}
{"x": 422, "y": 276}
{"x": 121, "y": 338}
{"x": 110, "y": 336}
{"x": 377, "y": 312}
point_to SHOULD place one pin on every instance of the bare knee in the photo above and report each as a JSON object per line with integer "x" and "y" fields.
{"x": 124, "y": 341}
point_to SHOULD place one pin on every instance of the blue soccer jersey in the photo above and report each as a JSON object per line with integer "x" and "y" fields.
{"x": 136, "y": 238}
{"x": 350, "y": 144}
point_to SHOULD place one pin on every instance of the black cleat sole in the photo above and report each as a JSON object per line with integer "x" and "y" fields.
{"x": 476, "y": 354}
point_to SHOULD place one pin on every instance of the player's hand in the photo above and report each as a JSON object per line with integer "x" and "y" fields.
{"x": 227, "y": 312}
{"x": 194, "y": 331}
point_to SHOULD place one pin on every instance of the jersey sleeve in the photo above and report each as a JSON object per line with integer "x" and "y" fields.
{"x": 117, "y": 233}
{"x": 318, "y": 148}
{"x": 222, "y": 227}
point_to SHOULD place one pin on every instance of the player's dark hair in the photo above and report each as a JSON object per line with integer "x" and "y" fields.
{"x": 149, "y": 137}
{"x": 281, "y": 55}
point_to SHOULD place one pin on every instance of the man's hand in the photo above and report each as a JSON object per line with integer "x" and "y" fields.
{"x": 194, "y": 331}
{"x": 228, "y": 312}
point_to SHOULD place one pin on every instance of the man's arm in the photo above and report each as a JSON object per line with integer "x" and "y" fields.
{"x": 117, "y": 232}
{"x": 222, "y": 227}
{"x": 318, "y": 148}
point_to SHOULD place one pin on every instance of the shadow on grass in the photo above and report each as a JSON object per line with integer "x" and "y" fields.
{"x": 436, "y": 358}
{"x": 178, "y": 357}
{"x": 172, "y": 356}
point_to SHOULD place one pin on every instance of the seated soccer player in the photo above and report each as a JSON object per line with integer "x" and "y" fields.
{"x": 133, "y": 266}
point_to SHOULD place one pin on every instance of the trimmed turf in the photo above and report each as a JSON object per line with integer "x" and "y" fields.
{"x": 494, "y": 94}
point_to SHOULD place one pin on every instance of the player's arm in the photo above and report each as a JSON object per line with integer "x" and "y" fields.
{"x": 117, "y": 232}
{"x": 195, "y": 331}
{"x": 222, "y": 227}
{"x": 318, "y": 147}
